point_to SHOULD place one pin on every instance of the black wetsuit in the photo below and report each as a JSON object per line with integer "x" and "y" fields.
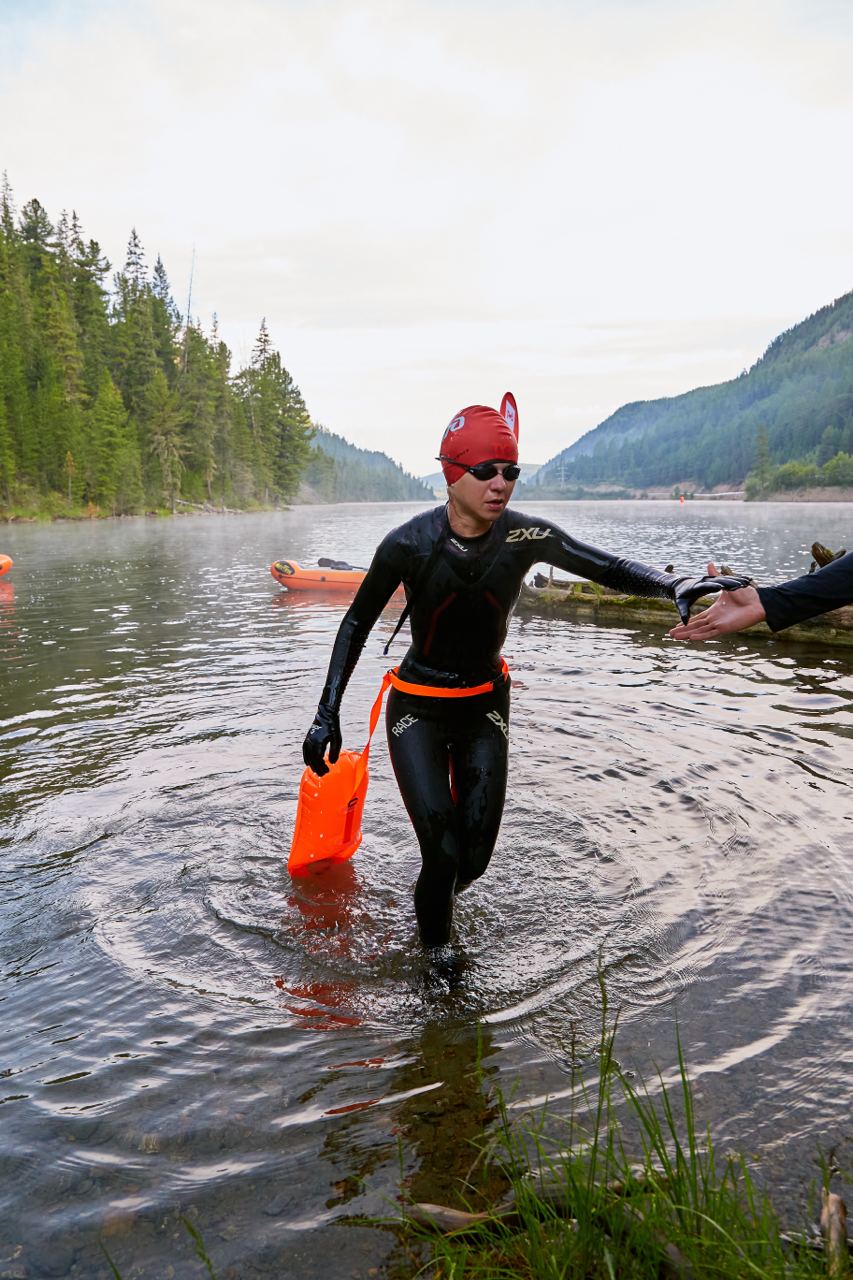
{"x": 807, "y": 597}
{"x": 450, "y": 754}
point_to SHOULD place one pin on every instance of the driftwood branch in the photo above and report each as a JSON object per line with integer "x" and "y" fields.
{"x": 207, "y": 507}
{"x": 833, "y": 1228}
{"x": 443, "y": 1218}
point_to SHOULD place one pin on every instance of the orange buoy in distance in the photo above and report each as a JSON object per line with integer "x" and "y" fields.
{"x": 5, "y": 564}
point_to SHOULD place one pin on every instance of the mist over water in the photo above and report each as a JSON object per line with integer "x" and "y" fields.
{"x": 189, "y": 1032}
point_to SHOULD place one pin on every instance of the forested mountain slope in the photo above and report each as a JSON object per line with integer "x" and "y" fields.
{"x": 794, "y": 406}
{"x": 338, "y": 471}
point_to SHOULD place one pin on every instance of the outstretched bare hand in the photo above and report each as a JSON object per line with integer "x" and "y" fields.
{"x": 734, "y": 609}
{"x": 689, "y": 590}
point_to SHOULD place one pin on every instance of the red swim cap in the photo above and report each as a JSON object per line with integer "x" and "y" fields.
{"x": 479, "y": 434}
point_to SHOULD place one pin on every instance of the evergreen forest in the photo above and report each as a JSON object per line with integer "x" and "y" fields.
{"x": 112, "y": 404}
{"x": 786, "y": 423}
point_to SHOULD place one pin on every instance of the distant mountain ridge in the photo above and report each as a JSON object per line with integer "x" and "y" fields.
{"x": 795, "y": 405}
{"x": 338, "y": 471}
{"x": 436, "y": 482}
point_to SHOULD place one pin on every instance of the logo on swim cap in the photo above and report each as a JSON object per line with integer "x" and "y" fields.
{"x": 456, "y": 425}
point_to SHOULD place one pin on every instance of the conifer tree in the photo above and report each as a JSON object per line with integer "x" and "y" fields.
{"x": 89, "y": 299}
{"x": 55, "y": 357}
{"x": 133, "y": 330}
{"x": 229, "y": 468}
{"x": 113, "y": 458}
{"x": 15, "y": 341}
{"x": 7, "y": 455}
{"x": 165, "y": 321}
{"x": 164, "y": 444}
{"x": 36, "y": 236}
{"x": 763, "y": 461}
{"x": 196, "y": 398}
{"x": 279, "y": 425}
{"x": 293, "y": 434}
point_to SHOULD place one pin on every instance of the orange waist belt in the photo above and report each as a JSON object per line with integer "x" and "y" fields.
{"x": 440, "y": 691}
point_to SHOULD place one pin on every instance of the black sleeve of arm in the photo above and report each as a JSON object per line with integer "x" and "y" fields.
{"x": 383, "y": 577}
{"x": 807, "y": 597}
{"x": 631, "y": 576}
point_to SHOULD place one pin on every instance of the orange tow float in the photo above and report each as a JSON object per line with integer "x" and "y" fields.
{"x": 5, "y": 564}
{"x": 329, "y": 809}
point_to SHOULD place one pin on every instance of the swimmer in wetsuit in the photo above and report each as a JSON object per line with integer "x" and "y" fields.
{"x": 462, "y": 566}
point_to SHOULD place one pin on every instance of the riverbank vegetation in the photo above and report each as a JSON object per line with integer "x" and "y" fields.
{"x": 827, "y": 468}
{"x": 792, "y": 409}
{"x": 638, "y": 1192}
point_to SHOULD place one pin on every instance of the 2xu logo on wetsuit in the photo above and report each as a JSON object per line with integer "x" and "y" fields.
{"x": 497, "y": 718}
{"x": 522, "y": 535}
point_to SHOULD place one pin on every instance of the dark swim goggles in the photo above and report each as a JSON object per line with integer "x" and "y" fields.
{"x": 485, "y": 470}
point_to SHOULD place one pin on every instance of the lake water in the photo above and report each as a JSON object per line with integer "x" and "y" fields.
{"x": 188, "y": 1033}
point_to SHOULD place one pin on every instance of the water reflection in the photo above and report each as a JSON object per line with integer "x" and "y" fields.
{"x": 9, "y": 635}
{"x": 327, "y": 903}
{"x": 448, "y": 1105}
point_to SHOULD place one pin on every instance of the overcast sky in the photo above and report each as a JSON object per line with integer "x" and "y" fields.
{"x": 586, "y": 203}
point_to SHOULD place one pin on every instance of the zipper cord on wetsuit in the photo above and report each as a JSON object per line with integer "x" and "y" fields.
{"x": 424, "y": 577}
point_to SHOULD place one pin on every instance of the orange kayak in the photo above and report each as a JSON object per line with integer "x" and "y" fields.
{"x": 296, "y": 577}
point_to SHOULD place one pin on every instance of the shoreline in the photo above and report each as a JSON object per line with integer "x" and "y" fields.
{"x": 806, "y": 497}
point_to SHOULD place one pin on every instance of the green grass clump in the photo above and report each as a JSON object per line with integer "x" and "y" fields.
{"x": 638, "y": 1195}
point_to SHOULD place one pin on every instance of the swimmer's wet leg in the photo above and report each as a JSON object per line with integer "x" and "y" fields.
{"x": 480, "y": 770}
{"x": 421, "y": 759}
{"x": 456, "y": 831}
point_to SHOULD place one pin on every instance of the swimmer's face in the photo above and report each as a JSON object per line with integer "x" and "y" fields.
{"x": 483, "y": 500}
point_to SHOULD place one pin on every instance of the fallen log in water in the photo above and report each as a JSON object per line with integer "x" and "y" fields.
{"x": 587, "y": 601}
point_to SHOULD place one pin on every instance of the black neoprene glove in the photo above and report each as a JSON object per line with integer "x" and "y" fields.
{"x": 688, "y": 590}
{"x": 324, "y": 732}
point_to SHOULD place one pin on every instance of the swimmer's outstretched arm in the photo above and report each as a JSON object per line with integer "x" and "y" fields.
{"x": 631, "y": 576}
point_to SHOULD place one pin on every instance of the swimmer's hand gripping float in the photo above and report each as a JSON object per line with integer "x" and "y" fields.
{"x": 325, "y": 732}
